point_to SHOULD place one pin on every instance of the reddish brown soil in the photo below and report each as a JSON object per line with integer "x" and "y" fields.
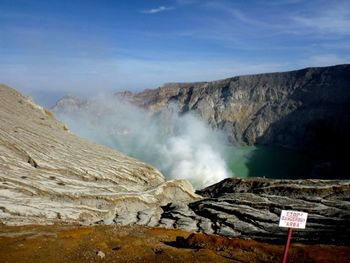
{"x": 66, "y": 244}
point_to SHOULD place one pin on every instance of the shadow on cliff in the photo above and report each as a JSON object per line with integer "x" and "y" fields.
{"x": 321, "y": 144}
{"x": 318, "y": 127}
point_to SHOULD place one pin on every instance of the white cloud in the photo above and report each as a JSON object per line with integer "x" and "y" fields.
{"x": 249, "y": 20}
{"x": 331, "y": 20}
{"x": 156, "y": 10}
{"x": 237, "y": 15}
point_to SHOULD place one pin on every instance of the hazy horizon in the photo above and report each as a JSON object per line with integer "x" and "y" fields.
{"x": 55, "y": 48}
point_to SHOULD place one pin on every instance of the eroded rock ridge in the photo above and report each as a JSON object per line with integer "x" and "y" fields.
{"x": 48, "y": 174}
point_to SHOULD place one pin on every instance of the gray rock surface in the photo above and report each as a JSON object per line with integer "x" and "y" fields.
{"x": 251, "y": 207}
{"x": 48, "y": 174}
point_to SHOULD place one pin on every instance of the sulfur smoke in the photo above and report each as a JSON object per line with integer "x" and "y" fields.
{"x": 182, "y": 147}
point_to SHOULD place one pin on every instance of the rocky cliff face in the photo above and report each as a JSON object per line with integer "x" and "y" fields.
{"x": 305, "y": 109}
{"x": 49, "y": 175}
{"x": 287, "y": 109}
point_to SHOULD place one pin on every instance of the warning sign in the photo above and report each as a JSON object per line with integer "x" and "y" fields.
{"x": 293, "y": 219}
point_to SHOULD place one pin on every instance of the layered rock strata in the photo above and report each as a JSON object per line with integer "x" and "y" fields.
{"x": 48, "y": 174}
{"x": 251, "y": 207}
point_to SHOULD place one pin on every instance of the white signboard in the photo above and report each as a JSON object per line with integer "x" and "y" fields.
{"x": 293, "y": 219}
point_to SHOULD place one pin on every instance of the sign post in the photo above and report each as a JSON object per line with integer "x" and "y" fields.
{"x": 291, "y": 219}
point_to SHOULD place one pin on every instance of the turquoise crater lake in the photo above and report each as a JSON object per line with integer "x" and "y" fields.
{"x": 269, "y": 162}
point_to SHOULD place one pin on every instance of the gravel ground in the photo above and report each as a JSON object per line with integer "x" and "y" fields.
{"x": 58, "y": 243}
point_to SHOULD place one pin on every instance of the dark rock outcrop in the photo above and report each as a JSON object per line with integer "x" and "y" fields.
{"x": 250, "y": 208}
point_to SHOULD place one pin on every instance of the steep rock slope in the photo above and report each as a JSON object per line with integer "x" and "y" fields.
{"x": 49, "y": 175}
{"x": 287, "y": 109}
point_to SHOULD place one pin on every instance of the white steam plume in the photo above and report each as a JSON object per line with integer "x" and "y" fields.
{"x": 180, "y": 146}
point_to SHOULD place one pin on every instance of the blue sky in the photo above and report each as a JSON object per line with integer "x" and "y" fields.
{"x": 81, "y": 47}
